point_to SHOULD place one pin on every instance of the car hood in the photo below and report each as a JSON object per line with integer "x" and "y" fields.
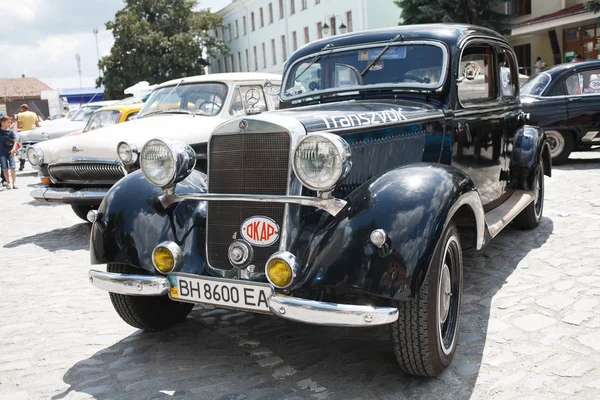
{"x": 52, "y": 131}
{"x": 102, "y": 143}
{"x": 356, "y": 114}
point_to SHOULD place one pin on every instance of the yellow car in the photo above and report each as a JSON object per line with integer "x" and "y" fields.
{"x": 110, "y": 115}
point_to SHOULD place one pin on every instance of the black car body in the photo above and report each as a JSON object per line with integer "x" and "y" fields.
{"x": 565, "y": 101}
{"x": 395, "y": 149}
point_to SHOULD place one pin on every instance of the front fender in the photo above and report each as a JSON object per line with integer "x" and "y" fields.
{"x": 133, "y": 222}
{"x": 529, "y": 146}
{"x": 413, "y": 205}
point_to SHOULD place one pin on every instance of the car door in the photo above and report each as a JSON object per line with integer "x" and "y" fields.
{"x": 479, "y": 126}
{"x": 583, "y": 103}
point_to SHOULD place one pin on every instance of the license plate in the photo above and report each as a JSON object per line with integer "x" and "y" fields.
{"x": 228, "y": 293}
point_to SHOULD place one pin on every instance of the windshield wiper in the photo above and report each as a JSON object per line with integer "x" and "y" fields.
{"x": 314, "y": 60}
{"x": 396, "y": 38}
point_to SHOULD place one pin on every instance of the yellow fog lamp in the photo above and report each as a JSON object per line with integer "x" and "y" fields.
{"x": 282, "y": 269}
{"x": 166, "y": 257}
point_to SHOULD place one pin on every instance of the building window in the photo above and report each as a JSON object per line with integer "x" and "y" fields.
{"x": 244, "y": 24}
{"x": 240, "y": 61}
{"x": 229, "y": 35}
{"x": 306, "y": 37}
{"x": 304, "y": 5}
{"x": 524, "y": 58}
{"x": 283, "y": 48}
{"x": 262, "y": 18}
{"x": 280, "y": 9}
{"x": 270, "y": 13}
{"x": 255, "y": 59}
{"x": 349, "y": 21}
{"x": 219, "y": 66}
{"x": 252, "y": 26}
{"x": 247, "y": 61}
{"x": 294, "y": 41}
{"x": 273, "y": 50}
{"x": 319, "y": 30}
{"x": 223, "y": 33}
{"x": 232, "y": 64}
{"x": 237, "y": 29}
{"x": 520, "y": 7}
{"x": 264, "y": 49}
{"x": 217, "y": 33}
{"x": 292, "y": 7}
{"x": 332, "y": 26}
{"x": 226, "y": 64}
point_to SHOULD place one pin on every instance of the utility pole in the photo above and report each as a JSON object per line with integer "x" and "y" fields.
{"x": 95, "y": 30}
{"x": 78, "y": 58}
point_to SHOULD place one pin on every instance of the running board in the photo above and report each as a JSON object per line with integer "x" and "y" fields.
{"x": 499, "y": 217}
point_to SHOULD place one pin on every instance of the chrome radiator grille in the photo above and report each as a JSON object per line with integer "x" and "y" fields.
{"x": 256, "y": 163}
{"x": 95, "y": 173}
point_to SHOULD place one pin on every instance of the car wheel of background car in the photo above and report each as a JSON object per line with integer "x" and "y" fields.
{"x": 82, "y": 210}
{"x": 561, "y": 146}
{"x": 424, "y": 336}
{"x": 146, "y": 312}
{"x": 530, "y": 217}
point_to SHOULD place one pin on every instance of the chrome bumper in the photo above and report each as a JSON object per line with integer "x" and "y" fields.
{"x": 69, "y": 195}
{"x": 292, "y": 308}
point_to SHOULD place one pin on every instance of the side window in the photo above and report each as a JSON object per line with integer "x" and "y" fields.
{"x": 508, "y": 74}
{"x": 477, "y": 77}
{"x": 94, "y": 122}
{"x": 273, "y": 93}
{"x": 131, "y": 116}
{"x": 573, "y": 84}
{"x": 584, "y": 82}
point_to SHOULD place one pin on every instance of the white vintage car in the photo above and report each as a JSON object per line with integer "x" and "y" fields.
{"x": 79, "y": 169}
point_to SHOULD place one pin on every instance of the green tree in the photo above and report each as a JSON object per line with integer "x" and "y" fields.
{"x": 157, "y": 40}
{"x": 475, "y": 12}
{"x": 594, "y": 6}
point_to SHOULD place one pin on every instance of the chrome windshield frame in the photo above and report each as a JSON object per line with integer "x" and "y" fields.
{"x": 388, "y": 85}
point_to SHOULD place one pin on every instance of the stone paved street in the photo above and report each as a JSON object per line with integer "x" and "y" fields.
{"x": 529, "y": 329}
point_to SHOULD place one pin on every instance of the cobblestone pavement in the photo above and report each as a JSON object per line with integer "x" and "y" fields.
{"x": 529, "y": 328}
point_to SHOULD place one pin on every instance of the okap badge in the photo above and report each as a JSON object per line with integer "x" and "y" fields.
{"x": 260, "y": 231}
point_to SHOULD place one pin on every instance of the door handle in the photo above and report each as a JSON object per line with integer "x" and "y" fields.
{"x": 574, "y": 98}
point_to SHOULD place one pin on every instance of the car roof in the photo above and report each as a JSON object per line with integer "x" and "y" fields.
{"x": 560, "y": 68}
{"x": 122, "y": 107}
{"x": 225, "y": 77}
{"x": 451, "y": 34}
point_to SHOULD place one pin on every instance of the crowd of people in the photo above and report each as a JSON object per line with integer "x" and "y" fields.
{"x": 9, "y": 143}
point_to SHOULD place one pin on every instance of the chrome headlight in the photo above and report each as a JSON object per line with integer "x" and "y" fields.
{"x": 127, "y": 152}
{"x": 164, "y": 162}
{"x": 321, "y": 160}
{"x": 35, "y": 155}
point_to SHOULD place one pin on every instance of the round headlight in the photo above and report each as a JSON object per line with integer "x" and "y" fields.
{"x": 127, "y": 152}
{"x": 164, "y": 162}
{"x": 321, "y": 160}
{"x": 35, "y": 155}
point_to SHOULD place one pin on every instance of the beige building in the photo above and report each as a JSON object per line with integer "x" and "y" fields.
{"x": 555, "y": 30}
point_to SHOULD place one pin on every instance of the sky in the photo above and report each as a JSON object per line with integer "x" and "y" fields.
{"x": 40, "y": 38}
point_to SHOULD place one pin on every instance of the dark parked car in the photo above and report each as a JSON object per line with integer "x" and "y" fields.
{"x": 396, "y": 149}
{"x": 565, "y": 101}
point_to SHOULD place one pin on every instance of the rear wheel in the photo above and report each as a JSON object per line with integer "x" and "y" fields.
{"x": 424, "y": 336}
{"x": 531, "y": 216}
{"x": 82, "y": 210}
{"x": 561, "y": 146}
{"x": 146, "y": 312}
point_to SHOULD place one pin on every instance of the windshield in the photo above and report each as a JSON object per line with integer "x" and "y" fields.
{"x": 83, "y": 114}
{"x": 536, "y": 84}
{"x": 197, "y": 98}
{"x": 103, "y": 118}
{"x": 412, "y": 66}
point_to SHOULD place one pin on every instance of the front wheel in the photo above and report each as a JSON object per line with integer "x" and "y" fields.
{"x": 424, "y": 336}
{"x": 150, "y": 313}
{"x": 531, "y": 216}
{"x": 561, "y": 146}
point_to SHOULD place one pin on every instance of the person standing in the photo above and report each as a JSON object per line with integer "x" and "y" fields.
{"x": 538, "y": 65}
{"x": 8, "y": 148}
{"x": 25, "y": 122}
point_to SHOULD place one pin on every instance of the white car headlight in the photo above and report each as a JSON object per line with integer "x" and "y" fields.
{"x": 35, "y": 155}
{"x": 127, "y": 152}
{"x": 321, "y": 160}
{"x": 164, "y": 162}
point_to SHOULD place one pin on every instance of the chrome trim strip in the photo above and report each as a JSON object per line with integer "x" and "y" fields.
{"x": 330, "y": 314}
{"x": 589, "y": 137}
{"x": 331, "y": 206}
{"x": 67, "y": 195}
{"x": 80, "y": 160}
{"x": 134, "y": 285}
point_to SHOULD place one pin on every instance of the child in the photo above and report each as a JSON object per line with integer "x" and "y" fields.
{"x": 8, "y": 146}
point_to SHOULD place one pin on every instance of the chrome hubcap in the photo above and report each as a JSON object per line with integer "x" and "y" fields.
{"x": 556, "y": 142}
{"x": 445, "y": 294}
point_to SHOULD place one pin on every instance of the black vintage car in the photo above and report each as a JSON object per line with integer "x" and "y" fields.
{"x": 395, "y": 150}
{"x": 565, "y": 101}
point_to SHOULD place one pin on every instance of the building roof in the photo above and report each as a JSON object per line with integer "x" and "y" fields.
{"x": 567, "y": 12}
{"x": 22, "y": 87}
{"x": 81, "y": 91}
